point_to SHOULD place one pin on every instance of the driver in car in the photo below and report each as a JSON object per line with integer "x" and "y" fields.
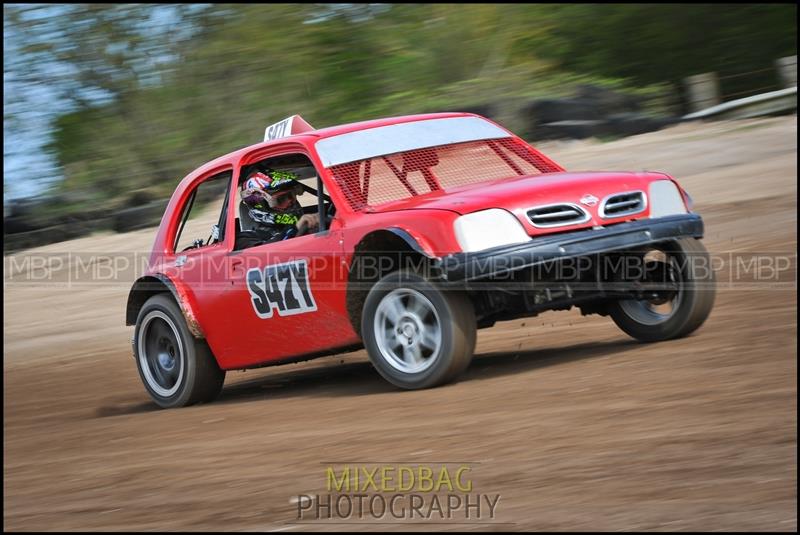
{"x": 271, "y": 201}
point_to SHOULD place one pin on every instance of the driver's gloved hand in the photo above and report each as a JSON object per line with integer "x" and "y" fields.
{"x": 308, "y": 223}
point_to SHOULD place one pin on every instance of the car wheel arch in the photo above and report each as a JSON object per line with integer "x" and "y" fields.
{"x": 150, "y": 285}
{"x": 377, "y": 245}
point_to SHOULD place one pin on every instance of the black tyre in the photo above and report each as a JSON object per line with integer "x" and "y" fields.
{"x": 176, "y": 368}
{"x": 676, "y": 312}
{"x": 416, "y": 334}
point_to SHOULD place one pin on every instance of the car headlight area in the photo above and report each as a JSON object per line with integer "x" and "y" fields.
{"x": 487, "y": 229}
{"x": 665, "y": 199}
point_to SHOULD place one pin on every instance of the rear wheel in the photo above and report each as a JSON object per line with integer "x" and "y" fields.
{"x": 176, "y": 368}
{"x": 683, "y": 271}
{"x": 416, "y": 334}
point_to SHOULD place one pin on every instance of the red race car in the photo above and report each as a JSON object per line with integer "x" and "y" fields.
{"x": 410, "y": 234}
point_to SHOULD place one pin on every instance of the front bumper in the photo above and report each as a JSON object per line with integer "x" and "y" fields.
{"x": 462, "y": 267}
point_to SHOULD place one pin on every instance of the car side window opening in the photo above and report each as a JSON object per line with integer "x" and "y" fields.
{"x": 204, "y": 213}
{"x": 279, "y": 198}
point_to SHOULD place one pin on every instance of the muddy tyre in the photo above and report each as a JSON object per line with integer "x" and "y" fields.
{"x": 176, "y": 368}
{"x": 676, "y": 313}
{"x": 417, "y": 335}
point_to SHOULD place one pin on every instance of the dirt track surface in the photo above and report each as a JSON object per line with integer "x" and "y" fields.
{"x": 575, "y": 425}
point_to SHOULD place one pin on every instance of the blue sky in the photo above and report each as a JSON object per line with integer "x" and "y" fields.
{"x": 30, "y": 108}
{"x": 27, "y": 112}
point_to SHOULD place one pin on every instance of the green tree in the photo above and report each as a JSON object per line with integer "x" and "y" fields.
{"x": 147, "y": 93}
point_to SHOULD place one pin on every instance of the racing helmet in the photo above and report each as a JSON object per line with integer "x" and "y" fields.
{"x": 271, "y": 190}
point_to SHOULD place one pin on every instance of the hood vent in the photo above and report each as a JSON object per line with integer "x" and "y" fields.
{"x": 557, "y": 215}
{"x": 623, "y": 204}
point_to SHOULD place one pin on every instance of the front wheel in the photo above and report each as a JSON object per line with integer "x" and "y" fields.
{"x": 683, "y": 271}
{"x": 416, "y": 334}
{"x": 176, "y": 368}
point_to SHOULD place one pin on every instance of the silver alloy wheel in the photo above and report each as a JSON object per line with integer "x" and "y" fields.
{"x": 408, "y": 331}
{"x": 161, "y": 356}
{"x": 657, "y": 311}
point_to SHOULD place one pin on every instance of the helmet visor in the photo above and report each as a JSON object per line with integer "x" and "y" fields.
{"x": 282, "y": 200}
